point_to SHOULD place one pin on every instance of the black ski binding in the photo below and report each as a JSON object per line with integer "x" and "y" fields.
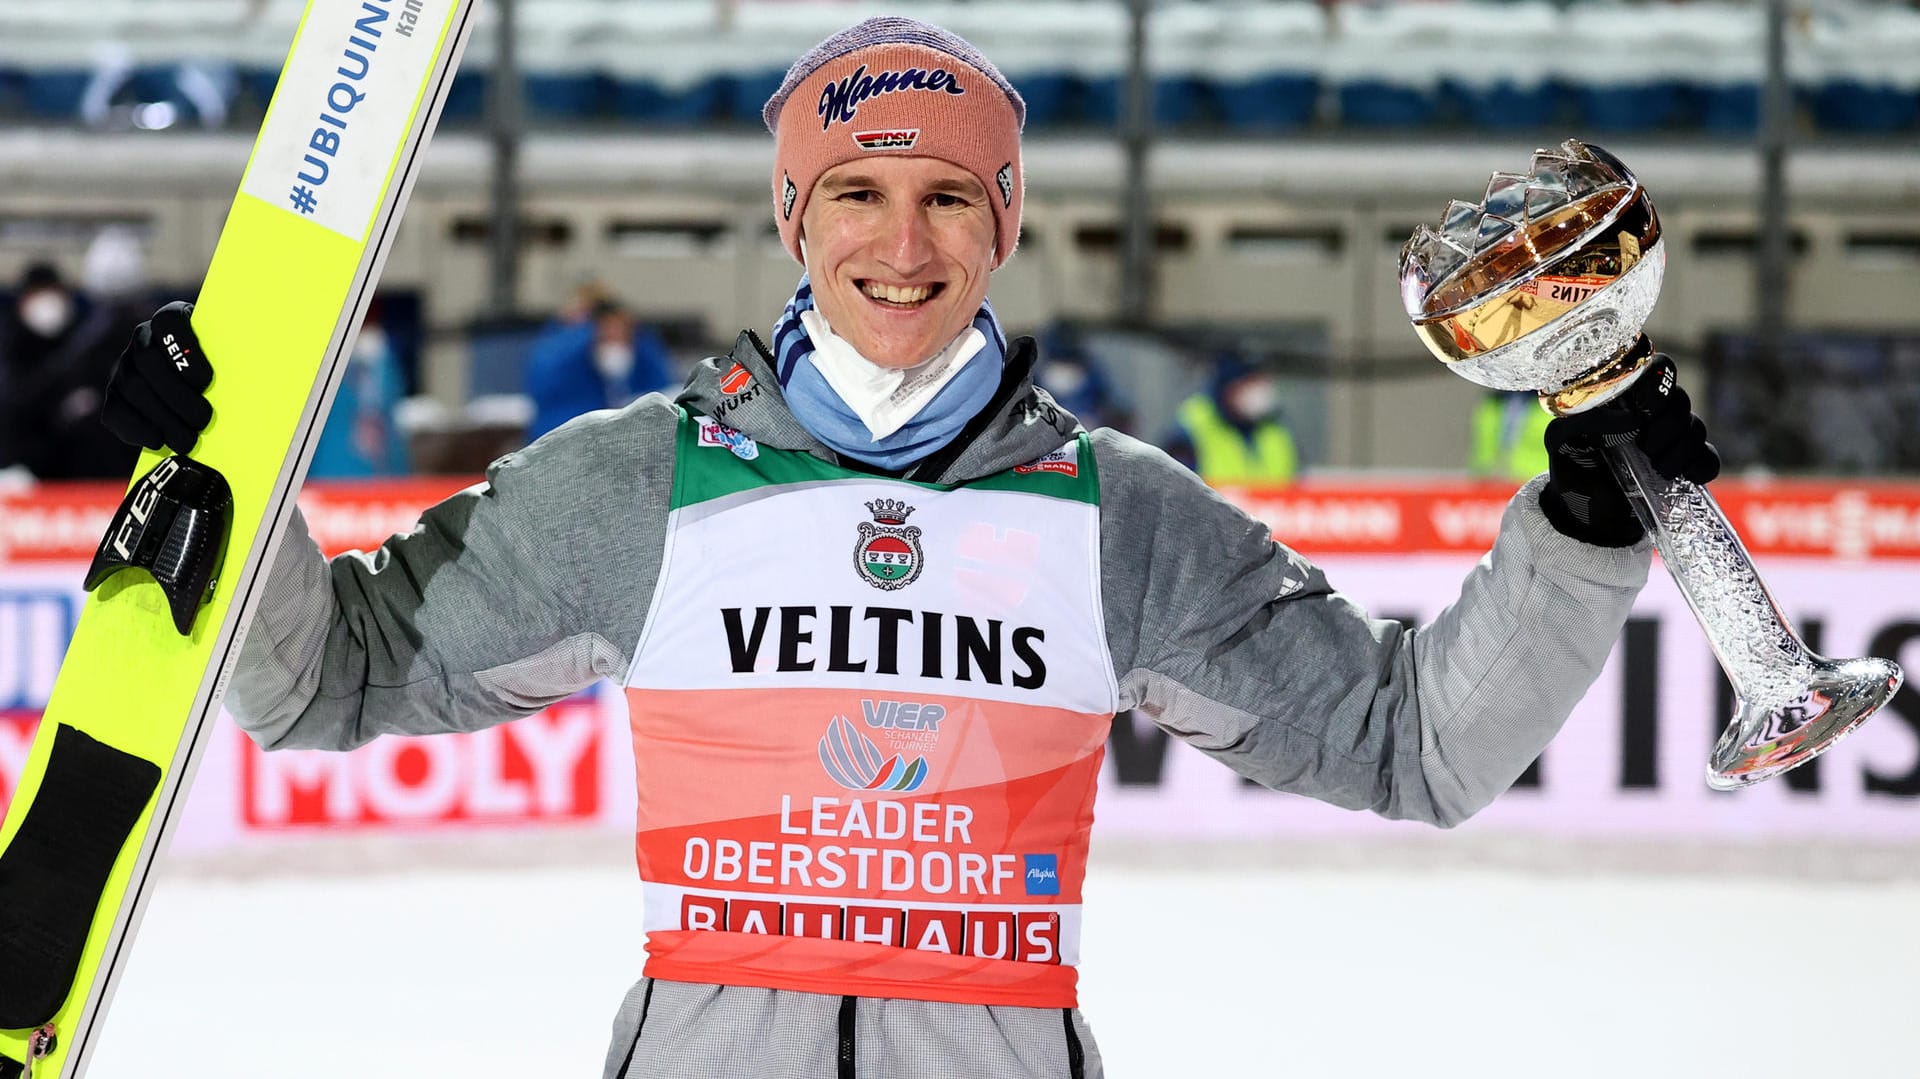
{"x": 174, "y": 524}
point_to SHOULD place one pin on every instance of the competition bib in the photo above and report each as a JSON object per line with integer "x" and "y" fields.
{"x": 868, "y": 721}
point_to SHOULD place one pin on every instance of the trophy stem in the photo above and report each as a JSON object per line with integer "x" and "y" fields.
{"x": 1791, "y": 705}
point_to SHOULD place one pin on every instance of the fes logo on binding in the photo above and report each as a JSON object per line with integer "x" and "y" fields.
{"x": 1005, "y": 179}
{"x": 787, "y": 195}
{"x": 888, "y": 554}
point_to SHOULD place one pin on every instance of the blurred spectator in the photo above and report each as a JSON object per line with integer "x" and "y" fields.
{"x": 360, "y": 438}
{"x": 1079, "y": 381}
{"x": 1233, "y": 432}
{"x": 57, "y": 347}
{"x": 593, "y": 358}
{"x": 1509, "y": 436}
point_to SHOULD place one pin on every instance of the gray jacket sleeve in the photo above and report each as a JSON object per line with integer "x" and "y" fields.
{"x": 504, "y": 598}
{"x": 1240, "y": 647}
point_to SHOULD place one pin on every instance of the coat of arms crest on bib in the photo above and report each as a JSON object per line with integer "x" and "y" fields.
{"x": 888, "y": 554}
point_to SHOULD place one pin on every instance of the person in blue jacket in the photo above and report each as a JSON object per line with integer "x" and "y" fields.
{"x": 1079, "y": 382}
{"x": 601, "y": 359}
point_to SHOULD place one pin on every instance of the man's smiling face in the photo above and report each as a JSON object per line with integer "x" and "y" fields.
{"x": 899, "y": 250}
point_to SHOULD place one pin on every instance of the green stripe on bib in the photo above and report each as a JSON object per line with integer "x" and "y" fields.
{"x": 714, "y": 461}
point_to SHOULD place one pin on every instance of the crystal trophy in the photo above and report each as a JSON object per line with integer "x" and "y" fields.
{"x": 1544, "y": 285}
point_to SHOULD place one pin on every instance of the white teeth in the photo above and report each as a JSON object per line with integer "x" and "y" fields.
{"x": 898, "y": 295}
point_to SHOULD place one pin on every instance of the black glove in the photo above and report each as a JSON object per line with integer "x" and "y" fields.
{"x": 158, "y": 392}
{"x": 1582, "y": 498}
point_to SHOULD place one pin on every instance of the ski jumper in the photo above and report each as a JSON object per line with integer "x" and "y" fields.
{"x": 868, "y": 711}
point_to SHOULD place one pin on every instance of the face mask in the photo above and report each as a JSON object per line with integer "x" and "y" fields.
{"x": 1255, "y": 400}
{"x": 885, "y": 398}
{"x": 46, "y": 312}
{"x": 1064, "y": 379}
{"x": 613, "y": 359}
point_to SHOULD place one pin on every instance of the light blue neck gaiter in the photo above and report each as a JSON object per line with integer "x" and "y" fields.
{"x": 831, "y": 420}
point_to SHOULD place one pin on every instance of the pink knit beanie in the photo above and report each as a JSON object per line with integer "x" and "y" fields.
{"x": 898, "y": 86}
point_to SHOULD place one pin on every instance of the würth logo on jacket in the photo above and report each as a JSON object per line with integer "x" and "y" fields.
{"x": 888, "y": 553}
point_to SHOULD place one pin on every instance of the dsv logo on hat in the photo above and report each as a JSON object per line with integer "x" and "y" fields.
{"x": 840, "y": 100}
{"x": 903, "y": 139}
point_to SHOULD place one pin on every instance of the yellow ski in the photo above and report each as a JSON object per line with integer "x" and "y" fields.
{"x": 136, "y": 696}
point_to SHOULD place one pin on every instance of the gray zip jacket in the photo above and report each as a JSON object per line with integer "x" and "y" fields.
{"x": 519, "y": 591}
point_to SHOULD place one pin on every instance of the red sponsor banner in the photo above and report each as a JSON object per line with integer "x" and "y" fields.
{"x": 1854, "y": 520}
{"x": 1851, "y": 521}
{"x": 549, "y": 768}
{"x": 1843, "y": 560}
{"x": 62, "y": 522}
{"x": 361, "y": 515}
{"x": 16, "y": 738}
{"x": 55, "y": 522}
{"x": 541, "y": 769}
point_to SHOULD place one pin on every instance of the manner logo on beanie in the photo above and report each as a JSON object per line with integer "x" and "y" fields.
{"x": 840, "y": 101}
{"x": 914, "y": 89}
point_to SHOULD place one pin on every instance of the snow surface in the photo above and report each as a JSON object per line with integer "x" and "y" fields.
{"x": 1376, "y": 963}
